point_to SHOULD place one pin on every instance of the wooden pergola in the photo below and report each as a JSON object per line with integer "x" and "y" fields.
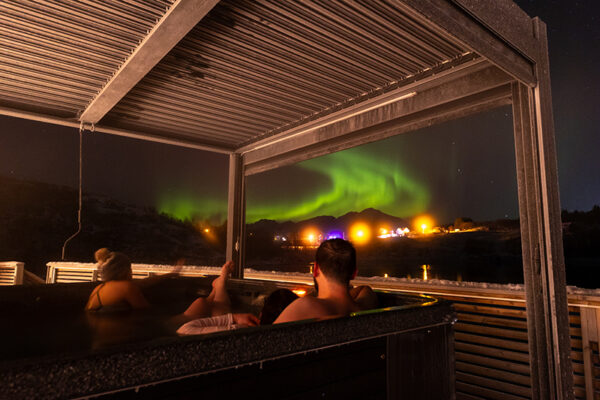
{"x": 273, "y": 83}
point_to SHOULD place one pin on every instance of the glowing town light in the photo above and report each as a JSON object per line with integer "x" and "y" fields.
{"x": 423, "y": 223}
{"x": 206, "y": 230}
{"x": 385, "y": 275}
{"x": 425, "y": 267}
{"x": 383, "y": 231}
{"x": 299, "y": 292}
{"x": 310, "y": 236}
{"x": 360, "y": 233}
{"x": 335, "y": 235}
{"x": 406, "y": 230}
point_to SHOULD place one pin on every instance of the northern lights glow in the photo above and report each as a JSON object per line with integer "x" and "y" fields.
{"x": 186, "y": 206}
{"x": 358, "y": 180}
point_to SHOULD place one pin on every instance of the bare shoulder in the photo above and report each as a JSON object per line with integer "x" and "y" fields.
{"x": 302, "y": 308}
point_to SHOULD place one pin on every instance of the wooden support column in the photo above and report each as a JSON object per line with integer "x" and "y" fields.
{"x": 590, "y": 328}
{"x": 236, "y": 214}
{"x": 541, "y": 237}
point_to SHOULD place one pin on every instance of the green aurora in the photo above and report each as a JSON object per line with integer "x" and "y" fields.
{"x": 355, "y": 179}
{"x": 358, "y": 180}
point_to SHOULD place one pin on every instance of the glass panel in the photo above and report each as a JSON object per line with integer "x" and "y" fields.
{"x": 438, "y": 203}
{"x": 149, "y": 200}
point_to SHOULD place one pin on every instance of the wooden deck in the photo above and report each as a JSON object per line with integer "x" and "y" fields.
{"x": 491, "y": 341}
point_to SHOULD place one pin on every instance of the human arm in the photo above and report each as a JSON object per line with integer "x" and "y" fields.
{"x": 216, "y": 324}
{"x": 364, "y": 297}
{"x": 155, "y": 279}
{"x": 245, "y": 319}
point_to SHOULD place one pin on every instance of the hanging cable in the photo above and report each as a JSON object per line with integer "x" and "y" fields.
{"x": 81, "y": 129}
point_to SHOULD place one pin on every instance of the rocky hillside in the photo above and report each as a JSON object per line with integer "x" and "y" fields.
{"x": 36, "y": 219}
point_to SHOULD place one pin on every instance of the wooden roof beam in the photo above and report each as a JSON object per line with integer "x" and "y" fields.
{"x": 181, "y": 17}
{"x": 472, "y": 25}
{"x": 459, "y": 93}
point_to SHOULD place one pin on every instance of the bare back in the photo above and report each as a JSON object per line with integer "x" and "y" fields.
{"x": 316, "y": 307}
{"x": 113, "y": 293}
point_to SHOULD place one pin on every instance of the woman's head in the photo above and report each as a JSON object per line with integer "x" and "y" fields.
{"x": 117, "y": 267}
{"x": 275, "y": 303}
{"x": 101, "y": 255}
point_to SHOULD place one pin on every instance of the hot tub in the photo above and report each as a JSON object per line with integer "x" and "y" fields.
{"x": 51, "y": 349}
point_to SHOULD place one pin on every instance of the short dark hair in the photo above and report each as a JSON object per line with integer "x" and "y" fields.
{"x": 275, "y": 303}
{"x": 336, "y": 258}
{"x": 117, "y": 267}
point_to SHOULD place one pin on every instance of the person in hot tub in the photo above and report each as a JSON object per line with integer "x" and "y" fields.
{"x": 213, "y": 313}
{"x": 274, "y": 304}
{"x": 335, "y": 267}
{"x": 118, "y": 291}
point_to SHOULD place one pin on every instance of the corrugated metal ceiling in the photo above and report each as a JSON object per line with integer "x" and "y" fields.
{"x": 247, "y": 70}
{"x": 55, "y": 56}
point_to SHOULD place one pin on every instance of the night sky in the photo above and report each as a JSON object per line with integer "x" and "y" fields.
{"x": 465, "y": 168}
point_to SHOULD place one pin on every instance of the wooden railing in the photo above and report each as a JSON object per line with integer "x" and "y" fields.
{"x": 68, "y": 272}
{"x": 11, "y": 273}
{"x": 491, "y": 342}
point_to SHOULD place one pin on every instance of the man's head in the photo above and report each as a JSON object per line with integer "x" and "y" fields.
{"x": 336, "y": 259}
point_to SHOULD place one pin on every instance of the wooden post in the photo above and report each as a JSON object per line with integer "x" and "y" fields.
{"x": 541, "y": 235}
{"x": 236, "y": 214}
{"x": 590, "y": 321}
{"x": 18, "y": 276}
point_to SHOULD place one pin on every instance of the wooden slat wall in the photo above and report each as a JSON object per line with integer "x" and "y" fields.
{"x": 492, "y": 354}
{"x": 11, "y": 273}
{"x": 7, "y": 275}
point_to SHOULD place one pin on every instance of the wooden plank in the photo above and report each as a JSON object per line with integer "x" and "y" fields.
{"x": 236, "y": 215}
{"x": 488, "y": 341}
{"x": 486, "y": 393}
{"x": 491, "y": 331}
{"x": 554, "y": 275}
{"x": 589, "y": 332}
{"x": 463, "y": 387}
{"x": 179, "y": 19}
{"x": 314, "y": 139}
{"x": 507, "y": 20}
{"x": 578, "y": 380}
{"x": 484, "y": 319}
{"x": 491, "y": 352}
{"x": 492, "y": 373}
{"x": 578, "y": 368}
{"x": 466, "y": 396}
{"x": 505, "y": 312}
{"x": 493, "y": 362}
{"x": 471, "y": 33}
{"x": 579, "y": 393}
{"x": 494, "y": 384}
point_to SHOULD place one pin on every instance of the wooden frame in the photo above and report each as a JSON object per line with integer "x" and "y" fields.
{"x": 479, "y": 89}
{"x": 508, "y": 63}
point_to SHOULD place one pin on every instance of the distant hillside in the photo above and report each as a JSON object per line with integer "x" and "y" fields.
{"x": 36, "y": 218}
{"x": 327, "y": 223}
